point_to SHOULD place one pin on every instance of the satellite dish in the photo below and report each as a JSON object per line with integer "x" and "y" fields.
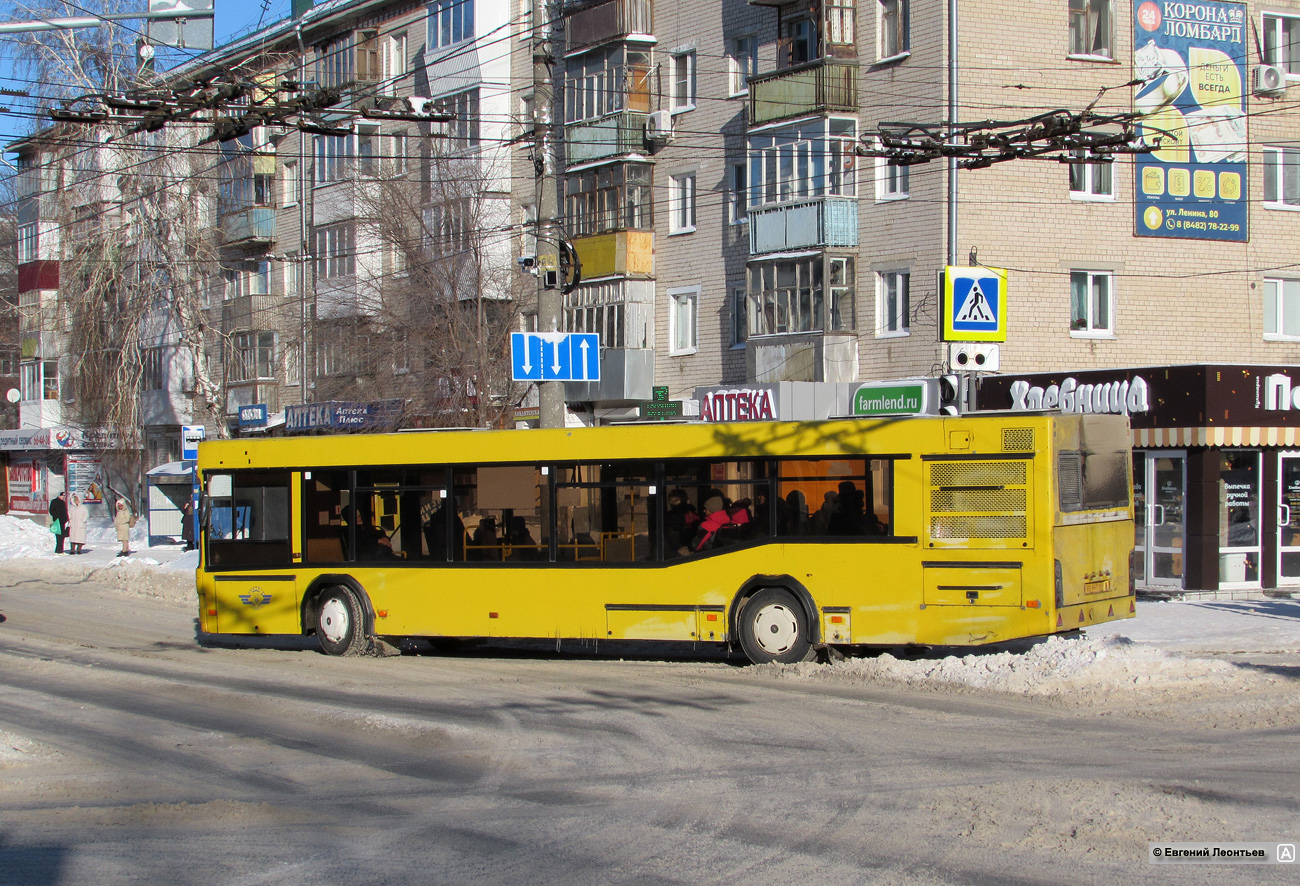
{"x": 13, "y": 395}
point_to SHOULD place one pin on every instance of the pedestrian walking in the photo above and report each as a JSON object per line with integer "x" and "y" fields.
{"x": 78, "y": 514}
{"x": 59, "y": 521}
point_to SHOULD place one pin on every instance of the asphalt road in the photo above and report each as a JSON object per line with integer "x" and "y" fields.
{"x": 133, "y": 754}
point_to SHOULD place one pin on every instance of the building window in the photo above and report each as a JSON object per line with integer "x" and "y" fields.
{"x": 394, "y": 62}
{"x": 289, "y": 184}
{"x": 29, "y": 381}
{"x": 331, "y": 152}
{"x": 894, "y": 37}
{"x": 736, "y": 194}
{"x": 1282, "y": 42}
{"x": 27, "y": 242}
{"x": 895, "y": 303}
{"x": 683, "y": 74}
{"x": 1091, "y": 181}
{"x": 614, "y": 197}
{"x": 798, "y": 43}
{"x": 450, "y": 227}
{"x": 151, "y": 370}
{"x": 463, "y": 128}
{"x": 739, "y": 323}
{"x": 606, "y": 80}
{"x": 293, "y": 363}
{"x": 253, "y": 356}
{"x": 335, "y": 251}
{"x": 50, "y": 380}
{"x": 1282, "y": 177}
{"x": 450, "y": 22}
{"x": 683, "y": 311}
{"x": 681, "y": 204}
{"x": 249, "y": 278}
{"x": 742, "y": 62}
{"x": 367, "y": 150}
{"x": 1091, "y": 295}
{"x": 1090, "y": 28}
{"x": 893, "y": 180}
{"x": 1282, "y": 310}
{"x": 813, "y": 160}
{"x": 398, "y": 164}
{"x": 787, "y": 295}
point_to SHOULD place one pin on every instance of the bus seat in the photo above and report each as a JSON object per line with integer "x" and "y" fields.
{"x": 324, "y": 550}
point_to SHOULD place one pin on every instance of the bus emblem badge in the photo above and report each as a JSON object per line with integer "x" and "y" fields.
{"x": 255, "y": 598}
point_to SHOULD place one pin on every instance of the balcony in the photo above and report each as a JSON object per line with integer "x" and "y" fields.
{"x": 610, "y": 20}
{"x": 807, "y": 356}
{"x": 625, "y": 374}
{"x": 819, "y": 87}
{"x": 622, "y": 132}
{"x": 248, "y": 225}
{"x": 623, "y": 253}
{"x": 818, "y": 222}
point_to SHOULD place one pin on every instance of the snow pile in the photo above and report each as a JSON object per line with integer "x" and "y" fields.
{"x": 24, "y": 538}
{"x": 1057, "y": 666}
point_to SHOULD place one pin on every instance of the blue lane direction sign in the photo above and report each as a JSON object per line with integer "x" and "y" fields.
{"x": 555, "y": 356}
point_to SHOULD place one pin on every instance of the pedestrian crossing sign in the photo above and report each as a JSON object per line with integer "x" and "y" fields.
{"x": 974, "y": 304}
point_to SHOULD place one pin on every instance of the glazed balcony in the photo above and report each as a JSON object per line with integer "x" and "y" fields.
{"x": 817, "y": 222}
{"x": 592, "y": 24}
{"x": 256, "y": 224}
{"x": 618, "y": 253}
{"x": 823, "y": 86}
{"x": 622, "y": 132}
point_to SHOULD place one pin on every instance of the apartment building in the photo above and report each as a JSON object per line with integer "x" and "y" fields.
{"x": 720, "y": 169}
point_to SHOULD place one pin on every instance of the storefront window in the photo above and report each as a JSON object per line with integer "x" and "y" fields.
{"x": 1239, "y": 548}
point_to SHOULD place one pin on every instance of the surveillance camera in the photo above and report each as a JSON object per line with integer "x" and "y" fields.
{"x": 527, "y": 262}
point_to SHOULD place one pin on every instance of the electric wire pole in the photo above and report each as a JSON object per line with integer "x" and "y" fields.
{"x": 550, "y": 279}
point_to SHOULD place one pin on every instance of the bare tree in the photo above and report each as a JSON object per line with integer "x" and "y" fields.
{"x": 449, "y": 293}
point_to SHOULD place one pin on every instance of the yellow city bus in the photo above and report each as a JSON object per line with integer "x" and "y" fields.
{"x": 780, "y": 538}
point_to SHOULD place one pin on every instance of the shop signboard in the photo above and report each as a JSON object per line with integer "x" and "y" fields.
{"x": 1190, "y": 59}
{"x": 1158, "y": 396}
{"x": 896, "y": 398}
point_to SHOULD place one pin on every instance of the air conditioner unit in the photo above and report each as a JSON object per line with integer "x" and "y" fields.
{"x": 1269, "y": 79}
{"x": 659, "y": 127}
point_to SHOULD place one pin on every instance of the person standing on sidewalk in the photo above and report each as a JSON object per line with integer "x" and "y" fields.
{"x": 59, "y": 521}
{"x": 122, "y": 521}
{"x": 78, "y": 514}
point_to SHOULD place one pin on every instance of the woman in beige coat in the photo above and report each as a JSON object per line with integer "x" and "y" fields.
{"x": 122, "y": 521}
{"x": 78, "y": 514}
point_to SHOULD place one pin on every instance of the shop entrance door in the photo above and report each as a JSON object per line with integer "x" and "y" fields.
{"x": 1288, "y": 520}
{"x": 1159, "y": 492}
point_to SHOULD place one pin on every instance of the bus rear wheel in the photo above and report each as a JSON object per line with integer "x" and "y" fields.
{"x": 773, "y": 627}
{"x": 340, "y": 623}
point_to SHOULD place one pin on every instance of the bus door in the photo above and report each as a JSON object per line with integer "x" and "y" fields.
{"x": 248, "y": 551}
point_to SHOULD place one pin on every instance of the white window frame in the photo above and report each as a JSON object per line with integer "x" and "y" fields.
{"x": 737, "y": 193}
{"x": 683, "y": 308}
{"x": 893, "y": 320}
{"x": 892, "y": 21}
{"x": 1079, "y": 12}
{"x": 395, "y": 62}
{"x": 1092, "y": 181}
{"x": 1278, "y": 292}
{"x": 455, "y": 17}
{"x": 682, "y": 81}
{"x": 1277, "y": 160}
{"x": 28, "y": 242}
{"x": 1273, "y": 26}
{"x": 681, "y": 204}
{"x": 289, "y": 183}
{"x": 742, "y": 63}
{"x": 893, "y": 180}
{"x": 1092, "y": 328}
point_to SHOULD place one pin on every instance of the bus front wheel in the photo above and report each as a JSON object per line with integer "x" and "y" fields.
{"x": 340, "y": 623}
{"x": 773, "y": 627}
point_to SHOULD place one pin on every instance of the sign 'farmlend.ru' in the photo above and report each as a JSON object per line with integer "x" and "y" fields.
{"x": 907, "y": 398}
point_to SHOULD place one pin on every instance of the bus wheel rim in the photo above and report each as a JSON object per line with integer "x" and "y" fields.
{"x": 775, "y": 629}
{"x": 334, "y": 620}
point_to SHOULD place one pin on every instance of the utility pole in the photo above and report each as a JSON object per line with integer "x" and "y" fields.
{"x": 550, "y": 301}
